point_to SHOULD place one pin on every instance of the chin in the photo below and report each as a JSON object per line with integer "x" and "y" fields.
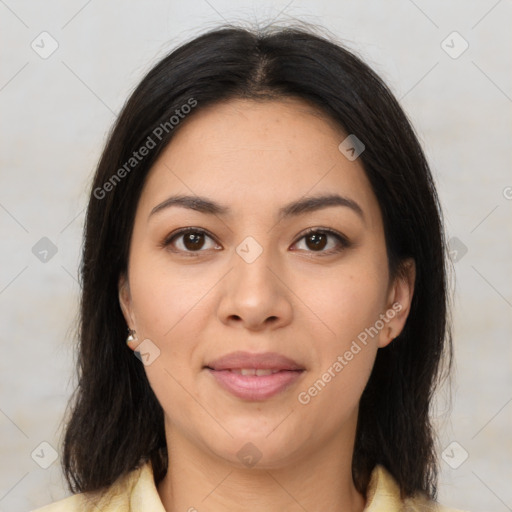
{"x": 256, "y": 450}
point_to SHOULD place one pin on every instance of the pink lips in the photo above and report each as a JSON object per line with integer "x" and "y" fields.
{"x": 278, "y": 372}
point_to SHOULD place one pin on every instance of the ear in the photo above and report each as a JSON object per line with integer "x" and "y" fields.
{"x": 399, "y": 302}
{"x": 125, "y": 301}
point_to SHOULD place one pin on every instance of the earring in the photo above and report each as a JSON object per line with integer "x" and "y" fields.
{"x": 131, "y": 336}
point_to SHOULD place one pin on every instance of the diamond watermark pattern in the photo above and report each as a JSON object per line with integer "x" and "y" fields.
{"x": 147, "y": 352}
{"x": 457, "y": 249}
{"x": 454, "y": 455}
{"x": 351, "y": 147}
{"x": 249, "y": 455}
{"x": 249, "y": 250}
{"x": 454, "y": 45}
{"x": 44, "y": 250}
{"x": 44, "y": 45}
{"x": 44, "y": 455}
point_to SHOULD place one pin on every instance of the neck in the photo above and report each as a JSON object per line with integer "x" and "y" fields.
{"x": 197, "y": 481}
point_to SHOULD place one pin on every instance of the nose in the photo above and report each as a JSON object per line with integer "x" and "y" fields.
{"x": 254, "y": 295}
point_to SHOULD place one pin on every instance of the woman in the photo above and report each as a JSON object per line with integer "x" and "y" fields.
{"x": 264, "y": 235}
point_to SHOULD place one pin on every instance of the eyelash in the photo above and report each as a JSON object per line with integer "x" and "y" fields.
{"x": 342, "y": 241}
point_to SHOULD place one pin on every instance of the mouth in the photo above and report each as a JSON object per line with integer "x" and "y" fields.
{"x": 254, "y": 377}
{"x": 255, "y": 384}
{"x": 251, "y": 371}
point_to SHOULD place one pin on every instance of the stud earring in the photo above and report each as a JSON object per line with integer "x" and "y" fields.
{"x": 132, "y": 336}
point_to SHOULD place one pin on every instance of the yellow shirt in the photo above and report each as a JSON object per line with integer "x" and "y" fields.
{"x": 136, "y": 492}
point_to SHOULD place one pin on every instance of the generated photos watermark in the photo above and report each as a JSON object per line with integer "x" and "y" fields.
{"x": 150, "y": 143}
{"x": 343, "y": 360}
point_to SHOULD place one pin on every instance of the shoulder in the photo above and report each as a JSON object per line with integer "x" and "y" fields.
{"x": 136, "y": 486}
{"x": 384, "y": 496}
{"x": 71, "y": 504}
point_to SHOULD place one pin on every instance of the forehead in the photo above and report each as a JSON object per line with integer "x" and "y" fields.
{"x": 245, "y": 153}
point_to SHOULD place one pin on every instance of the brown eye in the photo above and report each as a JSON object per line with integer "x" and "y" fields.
{"x": 190, "y": 240}
{"x": 316, "y": 240}
{"x": 193, "y": 241}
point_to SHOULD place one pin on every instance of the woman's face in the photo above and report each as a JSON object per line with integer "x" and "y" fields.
{"x": 248, "y": 277}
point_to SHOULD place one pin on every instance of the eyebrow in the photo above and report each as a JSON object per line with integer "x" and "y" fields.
{"x": 293, "y": 209}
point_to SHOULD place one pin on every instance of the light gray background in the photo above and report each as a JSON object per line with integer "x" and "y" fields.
{"x": 57, "y": 111}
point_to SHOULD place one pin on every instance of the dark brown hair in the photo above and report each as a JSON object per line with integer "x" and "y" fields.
{"x": 115, "y": 421}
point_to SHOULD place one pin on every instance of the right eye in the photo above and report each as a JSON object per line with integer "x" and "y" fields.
{"x": 189, "y": 240}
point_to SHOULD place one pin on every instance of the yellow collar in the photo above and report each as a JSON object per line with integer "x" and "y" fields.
{"x": 137, "y": 492}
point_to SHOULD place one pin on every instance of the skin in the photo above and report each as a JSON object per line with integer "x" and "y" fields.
{"x": 255, "y": 157}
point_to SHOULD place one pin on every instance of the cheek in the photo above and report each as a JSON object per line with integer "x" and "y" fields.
{"x": 346, "y": 302}
{"x": 331, "y": 397}
{"x": 171, "y": 312}
{"x": 348, "y": 305}
{"x": 166, "y": 299}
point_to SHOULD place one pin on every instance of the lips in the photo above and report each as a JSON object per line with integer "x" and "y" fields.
{"x": 246, "y": 361}
{"x": 255, "y": 376}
